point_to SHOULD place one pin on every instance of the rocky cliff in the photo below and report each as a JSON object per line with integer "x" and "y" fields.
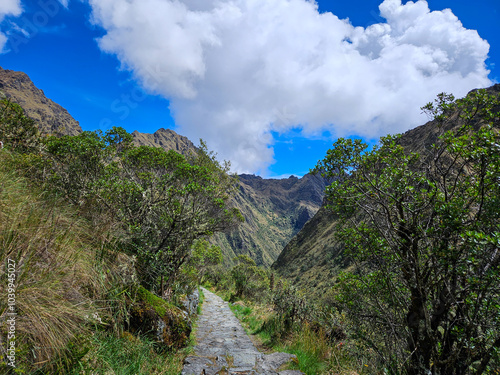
{"x": 274, "y": 211}
{"x": 165, "y": 138}
{"x": 50, "y": 117}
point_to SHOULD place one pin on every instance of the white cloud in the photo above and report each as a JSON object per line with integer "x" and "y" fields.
{"x": 8, "y": 8}
{"x": 234, "y": 70}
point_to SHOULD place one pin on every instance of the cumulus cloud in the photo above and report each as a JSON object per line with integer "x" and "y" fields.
{"x": 236, "y": 70}
{"x": 8, "y": 8}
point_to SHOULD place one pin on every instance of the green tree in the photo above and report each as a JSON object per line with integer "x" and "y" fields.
{"x": 163, "y": 200}
{"x": 424, "y": 232}
{"x": 78, "y": 166}
{"x": 249, "y": 280}
{"x": 169, "y": 201}
{"x": 18, "y": 132}
{"x": 203, "y": 257}
{"x": 202, "y": 262}
{"x": 81, "y": 168}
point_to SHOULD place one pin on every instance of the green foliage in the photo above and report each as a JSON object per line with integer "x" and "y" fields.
{"x": 162, "y": 201}
{"x": 203, "y": 260}
{"x": 205, "y": 255}
{"x": 201, "y": 299}
{"x": 424, "y": 231}
{"x": 249, "y": 280}
{"x": 17, "y": 131}
{"x": 290, "y": 304}
{"x": 71, "y": 281}
{"x": 168, "y": 202}
{"x": 80, "y": 166}
{"x": 126, "y": 355}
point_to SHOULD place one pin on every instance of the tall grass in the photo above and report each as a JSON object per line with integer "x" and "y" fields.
{"x": 73, "y": 287}
{"x": 54, "y": 266}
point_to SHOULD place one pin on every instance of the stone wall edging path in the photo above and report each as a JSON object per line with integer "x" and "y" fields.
{"x": 223, "y": 347}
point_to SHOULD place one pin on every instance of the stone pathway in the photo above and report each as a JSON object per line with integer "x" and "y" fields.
{"x": 223, "y": 346}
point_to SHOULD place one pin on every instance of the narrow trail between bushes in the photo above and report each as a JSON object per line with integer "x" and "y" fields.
{"x": 223, "y": 347}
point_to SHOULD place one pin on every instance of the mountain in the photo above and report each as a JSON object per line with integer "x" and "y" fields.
{"x": 50, "y": 117}
{"x": 275, "y": 210}
{"x": 165, "y": 138}
{"x": 314, "y": 257}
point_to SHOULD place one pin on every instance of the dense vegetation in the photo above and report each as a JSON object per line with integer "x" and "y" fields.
{"x": 424, "y": 232}
{"x": 92, "y": 228}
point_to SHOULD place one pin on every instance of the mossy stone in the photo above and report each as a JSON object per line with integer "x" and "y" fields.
{"x": 159, "y": 319}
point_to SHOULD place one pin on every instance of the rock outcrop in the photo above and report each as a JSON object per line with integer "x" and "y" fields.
{"x": 191, "y": 302}
{"x": 50, "y": 117}
{"x": 162, "y": 321}
{"x": 166, "y": 139}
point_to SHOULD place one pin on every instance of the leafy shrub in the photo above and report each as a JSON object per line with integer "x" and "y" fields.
{"x": 291, "y": 305}
{"x": 424, "y": 232}
{"x": 249, "y": 280}
{"x": 17, "y": 131}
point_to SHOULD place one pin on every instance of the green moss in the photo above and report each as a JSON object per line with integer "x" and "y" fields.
{"x": 149, "y": 309}
{"x": 156, "y": 303}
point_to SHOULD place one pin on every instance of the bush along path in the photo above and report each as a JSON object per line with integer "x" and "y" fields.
{"x": 223, "y": 346}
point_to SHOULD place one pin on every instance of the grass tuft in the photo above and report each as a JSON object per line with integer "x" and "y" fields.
{"x": 54, "y": 273}
{"x": 127, "y": 355}
{"x": 315, "y": 354}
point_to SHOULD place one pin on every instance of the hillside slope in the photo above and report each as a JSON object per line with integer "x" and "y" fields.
{"x": 50, "y": 117}
{"x": 314, "y": 257}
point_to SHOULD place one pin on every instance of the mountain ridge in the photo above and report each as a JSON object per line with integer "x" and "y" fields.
{"x": 165, "y": 138}
{"x": 274, "y": 210}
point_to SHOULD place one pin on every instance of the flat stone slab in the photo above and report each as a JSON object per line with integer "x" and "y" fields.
{"x": 223, "y": 347}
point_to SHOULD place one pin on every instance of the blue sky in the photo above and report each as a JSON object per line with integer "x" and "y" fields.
{"x": 269, "y": 88}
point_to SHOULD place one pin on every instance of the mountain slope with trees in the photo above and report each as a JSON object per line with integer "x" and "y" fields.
{"x": 419, "y": 228}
